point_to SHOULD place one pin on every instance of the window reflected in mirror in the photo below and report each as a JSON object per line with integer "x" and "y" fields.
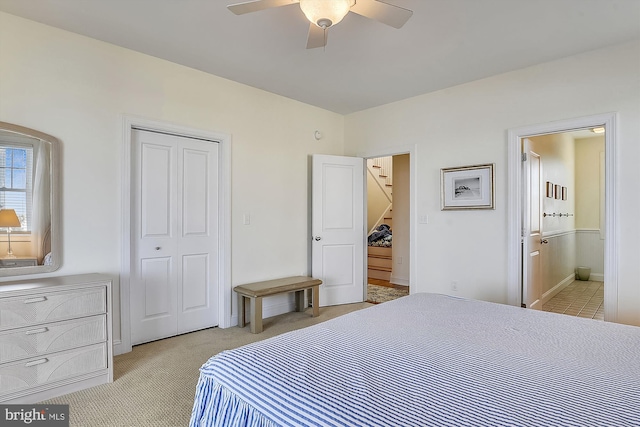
{"x": 27, "y": 191}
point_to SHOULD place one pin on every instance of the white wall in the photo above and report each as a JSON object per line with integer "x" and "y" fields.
{"x": 77, "y": 89}
{"x": 468, "y": 124}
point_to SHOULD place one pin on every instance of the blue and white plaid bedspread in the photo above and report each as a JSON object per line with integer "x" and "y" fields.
{"x": 430, "y": 360}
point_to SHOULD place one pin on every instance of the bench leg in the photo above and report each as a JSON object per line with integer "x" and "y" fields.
{"x": 316, "y": 301}
{"x": 300, "y": 300}
{"x": 256, "y": 315}
{"x": 241, "y": 312}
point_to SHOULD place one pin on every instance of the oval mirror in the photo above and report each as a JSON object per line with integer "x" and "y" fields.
{"x": 29, "y": 227}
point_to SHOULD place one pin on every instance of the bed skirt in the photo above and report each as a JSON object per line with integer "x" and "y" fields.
{"x": 231, "y": 411}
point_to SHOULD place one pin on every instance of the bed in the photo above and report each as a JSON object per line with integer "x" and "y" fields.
{"x": 429, "y": 360}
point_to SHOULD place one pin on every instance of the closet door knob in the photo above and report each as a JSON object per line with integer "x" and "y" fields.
{"x": 317, "y": 238}
{"x": 544, "y": 241}
{"x": 158, "y": 248}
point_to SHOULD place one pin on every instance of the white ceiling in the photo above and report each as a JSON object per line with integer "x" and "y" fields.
{"x": 365, "y": 63}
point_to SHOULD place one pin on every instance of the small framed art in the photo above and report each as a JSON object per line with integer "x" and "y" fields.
{"x": 564, "y": 193}
{"x": 557, "y": 191}
{"x": 549, "y": 189}
{"x": 468, "y": 187}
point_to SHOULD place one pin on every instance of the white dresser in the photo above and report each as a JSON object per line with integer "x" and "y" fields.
{"x": 55, "y": 336}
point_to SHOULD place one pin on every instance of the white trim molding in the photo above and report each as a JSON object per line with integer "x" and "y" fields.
{"x": 515, "y": 204}
{"x": 130, "y": 122}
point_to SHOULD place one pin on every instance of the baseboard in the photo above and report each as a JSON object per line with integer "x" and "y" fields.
{"x": 232, "y": 323}
{"x": 596, "y": 277}
{"x": 120, "y": 348}
{"x": 269, "y": 310}
{"x": 557, "y": 288}
{"x": 399, "y": 281}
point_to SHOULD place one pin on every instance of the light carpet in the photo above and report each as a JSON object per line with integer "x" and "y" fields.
{"x": 377, "y": 294}
{"x": 154, "y": 385}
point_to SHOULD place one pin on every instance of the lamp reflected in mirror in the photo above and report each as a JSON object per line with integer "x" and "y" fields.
{"x": 9, "y": 219}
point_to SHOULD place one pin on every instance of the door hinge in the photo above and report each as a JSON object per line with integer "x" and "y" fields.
{"x": 524, "y": 157}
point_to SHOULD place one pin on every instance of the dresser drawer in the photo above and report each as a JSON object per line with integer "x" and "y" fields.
{"x": 37, "y": 308}
{"x": 28, "y": 342}
{"x": 37, "y": 371}
{"x": 380, "y": 262}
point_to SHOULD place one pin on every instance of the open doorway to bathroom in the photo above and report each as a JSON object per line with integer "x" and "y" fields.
{"x": 566, "y": 233}
{"x": 388, "y": 251}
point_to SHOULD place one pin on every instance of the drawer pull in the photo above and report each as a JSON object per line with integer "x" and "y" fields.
{"x": 36, "y": 331}
{"x": 36, "y": 362}
{"x": 37, "y": 299}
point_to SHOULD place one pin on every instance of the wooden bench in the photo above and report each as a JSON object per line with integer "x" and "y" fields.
{"x": 256, "y": 291}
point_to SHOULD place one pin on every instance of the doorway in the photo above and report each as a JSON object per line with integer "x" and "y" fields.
{"x": 338, "y": 231}
{"x": 388, "y": 227}
{"x": 564, "y": 178}
{"x": 516, "y": 273}
{"x": 122, "y": 320}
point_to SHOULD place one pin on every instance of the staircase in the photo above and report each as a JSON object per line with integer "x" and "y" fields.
{"x": 381, "y": 169}
{"x": 380, "y": 185}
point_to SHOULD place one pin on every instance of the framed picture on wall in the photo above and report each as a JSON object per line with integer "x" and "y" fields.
{"x": 549, "y": 189}
{"x": 564, "y": 193}
{"x": 468, "y": 187}
{"x": 557, "y": 191}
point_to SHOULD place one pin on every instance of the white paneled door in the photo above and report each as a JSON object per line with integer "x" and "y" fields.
{"x": 533, "y": 240}
{"x": 174, "y": 191}
{"x": 338, "y": 228}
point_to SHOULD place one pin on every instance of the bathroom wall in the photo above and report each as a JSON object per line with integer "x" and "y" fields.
{"x": 589, "y": 179}
{"x": 557, "y": 154}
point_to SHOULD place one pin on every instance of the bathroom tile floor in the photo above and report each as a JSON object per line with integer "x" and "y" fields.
{"x": 579, "y": 298}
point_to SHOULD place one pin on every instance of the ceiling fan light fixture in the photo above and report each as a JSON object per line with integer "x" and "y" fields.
{"x": 325, "y": 13}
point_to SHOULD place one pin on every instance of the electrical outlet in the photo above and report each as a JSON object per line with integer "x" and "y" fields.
{"x": 454, "y": 286}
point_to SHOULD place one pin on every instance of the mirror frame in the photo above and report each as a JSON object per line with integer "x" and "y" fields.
{"x": 55, "y": 236}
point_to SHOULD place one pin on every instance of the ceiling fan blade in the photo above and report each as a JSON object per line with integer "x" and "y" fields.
{"x": 386, "y": 13}
{"x": 317, "y": 37}
{"x": 257, "y": 5}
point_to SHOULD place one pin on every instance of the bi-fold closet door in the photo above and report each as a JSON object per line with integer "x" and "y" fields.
{"x": 175, "y": 184}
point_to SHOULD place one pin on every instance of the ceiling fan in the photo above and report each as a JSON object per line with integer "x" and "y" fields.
{"x": 324, "y": 13}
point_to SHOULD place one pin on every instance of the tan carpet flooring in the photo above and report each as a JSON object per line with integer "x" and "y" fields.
{"x": 154, "y": 385}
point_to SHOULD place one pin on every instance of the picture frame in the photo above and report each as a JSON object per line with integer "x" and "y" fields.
{"x": 557, "y": 192}
{"x": 549, "y": 189}
{"x": 564, "y": 193}
{"x": 468, "y": 187}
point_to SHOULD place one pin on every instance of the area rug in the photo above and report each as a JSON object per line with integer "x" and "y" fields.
{"x": 377, "y": 294}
